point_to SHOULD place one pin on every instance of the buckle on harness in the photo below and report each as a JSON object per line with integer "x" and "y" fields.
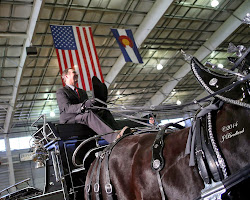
{"x": 88, "y": 188}
{"x": 200, "y": 151}
{"x": 96, "y": 187}
{"x": 108, "y": 188}
{"x": 156, "y": 164}
{"x": 213, "y": 191}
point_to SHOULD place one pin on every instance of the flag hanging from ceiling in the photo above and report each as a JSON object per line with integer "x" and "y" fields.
{"x": 75, "y": 49}
{"x": 126, "y": 42}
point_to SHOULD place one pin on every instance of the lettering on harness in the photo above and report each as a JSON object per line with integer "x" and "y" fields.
{"x": 230, "y": 135}
{"x": 229, "y": 127}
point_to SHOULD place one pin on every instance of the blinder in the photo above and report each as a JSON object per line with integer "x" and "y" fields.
{"x": 214, "y": 82}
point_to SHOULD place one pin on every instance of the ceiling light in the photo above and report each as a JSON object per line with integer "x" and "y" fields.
{"x": 52, "y": 114}
{"x": 159, "y": 66}
{"x": 220, "y": 66}
{"x": 214, "y": 3}
{"x": 178, "y": 102}
{"x": 213, "y": 54}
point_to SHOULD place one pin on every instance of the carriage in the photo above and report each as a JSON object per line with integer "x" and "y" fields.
{"x": 209, "y": 160}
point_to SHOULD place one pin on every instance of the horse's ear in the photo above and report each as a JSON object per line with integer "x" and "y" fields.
{"x": 100, "y": 90}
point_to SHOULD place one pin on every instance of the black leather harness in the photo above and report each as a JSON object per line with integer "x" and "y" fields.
{"x": 102, "y": 157}
{"x": 157, "y": 162}
{"x": 206, "y": 158}
{"x": 210, "y": 162}
{"x": 209, "y": 159}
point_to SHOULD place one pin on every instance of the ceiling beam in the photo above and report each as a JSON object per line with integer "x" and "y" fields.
{"x": 8, "y": 35}
{"x": 32, "y": 23}
{"x": 225, "y": 30}
{"x": 157, "y": 11}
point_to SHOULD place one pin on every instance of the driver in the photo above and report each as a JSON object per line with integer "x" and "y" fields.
{"x": 74, "y": 107}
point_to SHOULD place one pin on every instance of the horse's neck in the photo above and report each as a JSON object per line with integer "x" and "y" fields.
{"x": 233, "y": 135}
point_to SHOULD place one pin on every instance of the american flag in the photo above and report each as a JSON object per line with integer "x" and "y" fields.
{"x": 75, "y": 49}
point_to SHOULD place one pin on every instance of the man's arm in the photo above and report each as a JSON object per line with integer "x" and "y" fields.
{"x": 64, "y": 103}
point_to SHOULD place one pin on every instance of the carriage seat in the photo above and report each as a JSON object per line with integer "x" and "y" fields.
{"x": 81, "y": 131}
{"x": 67, "y": 131}
{"x": 63, "y": 131}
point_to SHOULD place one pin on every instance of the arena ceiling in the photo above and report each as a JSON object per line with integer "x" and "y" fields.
{"x": 161, "y": 28}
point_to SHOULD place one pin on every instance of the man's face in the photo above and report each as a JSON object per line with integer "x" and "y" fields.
{"x": 71, "y": 77}
{"x": 151, "y": 120}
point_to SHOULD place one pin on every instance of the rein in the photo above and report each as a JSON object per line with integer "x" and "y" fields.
{"x": 114, "y": 107}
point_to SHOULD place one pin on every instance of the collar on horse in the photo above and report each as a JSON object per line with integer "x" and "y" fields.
{"x": 202, "y": 147}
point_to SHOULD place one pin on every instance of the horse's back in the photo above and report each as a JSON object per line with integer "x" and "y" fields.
{"x": 133, "y": 177}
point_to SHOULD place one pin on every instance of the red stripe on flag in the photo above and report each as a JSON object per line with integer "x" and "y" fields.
{"x": 64, "y": 60}
{"x": 71, "y": 59}
{"x": 60, "y": 66}
{"x": 80, "y": 70}
{"x": 99, "y": 66}
{"x": 89, "y": 51}
{"x": 72, "y": 62}
{"x": 84, "y": 57}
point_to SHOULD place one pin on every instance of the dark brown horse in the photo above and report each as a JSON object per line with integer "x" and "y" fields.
{"x": 130, "y": 169}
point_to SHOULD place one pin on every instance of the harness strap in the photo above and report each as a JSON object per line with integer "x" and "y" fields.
{"x": 106, "y": 153}
{"x": 215, "y": 150}
{"x": 160, "y": 185}
{"x": 88, "y": 185}
{"x": 97, "y": 184}
{"x": 207, "y": 161}
{"x": 237, "y": 178}
{"x": 210, "y": 155}
{"x": 157, "y": 162}
{"x": 108, "y": 186}
{"x": 190, "y": 147}
{"x": 200, "y": 156}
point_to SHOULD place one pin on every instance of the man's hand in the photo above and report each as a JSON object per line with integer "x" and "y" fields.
{"x": 87, "y": 104}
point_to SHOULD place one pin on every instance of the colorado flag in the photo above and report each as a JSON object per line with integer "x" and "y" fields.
{"x": 127, "y": 44}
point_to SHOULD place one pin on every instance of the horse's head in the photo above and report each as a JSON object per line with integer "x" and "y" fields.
{"x": 228, "y": 87}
